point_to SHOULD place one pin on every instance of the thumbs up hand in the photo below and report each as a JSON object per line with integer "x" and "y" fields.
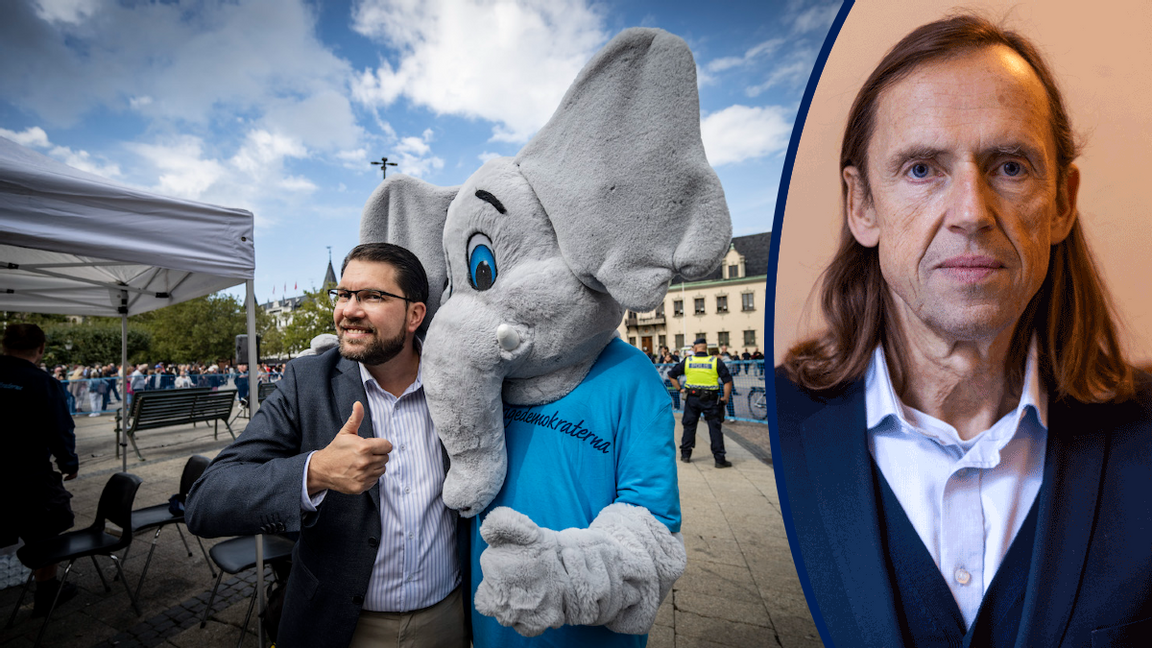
{"x": 350, "y": 464}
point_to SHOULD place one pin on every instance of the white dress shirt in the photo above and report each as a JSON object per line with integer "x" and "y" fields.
{"x": 966, "y": 499}
{"x": 416, "y": 561}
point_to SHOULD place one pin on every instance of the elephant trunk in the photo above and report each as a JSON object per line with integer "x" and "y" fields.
{"x": 467, "y": 354}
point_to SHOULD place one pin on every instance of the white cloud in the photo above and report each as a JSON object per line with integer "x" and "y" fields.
{"x": 467, "y": 57}
{"x": 353, "y": 158}
{"x": 33, "y": 136}
{"x": 83, "y": 160}
{"x": 255, "y": 176}
{"x": 816, "y": 19}
{"x": 263, "y": 149}
{"x": 322, "y": 121}
{"x": 791, "y": 70}
{"x": 413, "y": 155}
{"x": 181, "y": 67}
{"x": 487, "y": 156}
{"x": 184, "y": 171}
{"x": 765, "y": 48}
{"x": 739, "y": 133}
{"x": 36, "y": 137}
{"x": 66, "y": 11}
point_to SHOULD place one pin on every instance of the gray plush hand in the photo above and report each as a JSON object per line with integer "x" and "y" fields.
{"x": 522, "y": 572}
{"x": 614, "y": 573}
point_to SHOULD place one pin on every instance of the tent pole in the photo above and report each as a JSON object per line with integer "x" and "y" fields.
{"x": 253, "y": 405}
{"x": 123, "y": 378}
{"x": 253, "y": 359}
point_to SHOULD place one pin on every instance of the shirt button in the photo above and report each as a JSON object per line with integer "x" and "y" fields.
{"x": 962, "y": 576}
{"x": 409, "y": 535}
{"x": 407, "y": 489}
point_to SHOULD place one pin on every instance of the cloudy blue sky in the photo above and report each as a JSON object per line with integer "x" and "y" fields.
{"x": 277, "y": 106}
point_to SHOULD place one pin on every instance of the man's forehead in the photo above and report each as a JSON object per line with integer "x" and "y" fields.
{"x": 360, "y": 270}
{"x": 939, "y": 98}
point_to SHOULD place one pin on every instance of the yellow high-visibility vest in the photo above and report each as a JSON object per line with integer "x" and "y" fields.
{"x": 700, "y": 372}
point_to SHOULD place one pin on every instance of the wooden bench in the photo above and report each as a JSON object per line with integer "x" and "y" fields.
{"x": 163, "y": 408}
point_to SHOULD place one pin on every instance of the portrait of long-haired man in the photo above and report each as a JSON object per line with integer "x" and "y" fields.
{"x": 964, "y": 435}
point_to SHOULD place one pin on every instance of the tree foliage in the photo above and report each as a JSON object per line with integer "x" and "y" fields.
{"x": 312, "y": 318}
{"x": 93, "y": 342}
{"x": 198, "y": 330}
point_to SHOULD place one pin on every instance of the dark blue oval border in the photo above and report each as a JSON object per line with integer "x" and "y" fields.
{"x": 770, "y": 312}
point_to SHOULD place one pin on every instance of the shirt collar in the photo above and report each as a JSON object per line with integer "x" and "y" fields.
{"x": 367, "y": 378}
{"x": 881, "y": 402}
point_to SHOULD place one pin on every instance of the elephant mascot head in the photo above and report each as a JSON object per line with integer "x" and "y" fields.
{"x": 534, "y": 259}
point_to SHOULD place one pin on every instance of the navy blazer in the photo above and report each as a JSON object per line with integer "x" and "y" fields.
{"x": 254, "y": 486}
{"x": 1090, "y": 582}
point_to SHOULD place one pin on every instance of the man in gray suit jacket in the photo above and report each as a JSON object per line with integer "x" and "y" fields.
{"x": 376, "y": 562}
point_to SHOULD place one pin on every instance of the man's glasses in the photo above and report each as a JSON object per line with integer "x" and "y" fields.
{"x": 366, "y": 296}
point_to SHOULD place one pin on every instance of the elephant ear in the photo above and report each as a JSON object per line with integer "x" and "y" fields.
{"x": 409, "y": 212}
{"x": 621, "y": 172}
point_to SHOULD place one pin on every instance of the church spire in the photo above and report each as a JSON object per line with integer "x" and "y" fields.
{"x": 330, "y": 275}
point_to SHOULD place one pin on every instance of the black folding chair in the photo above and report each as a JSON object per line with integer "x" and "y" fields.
{"x": 159, "y": 516}
{"x": 116, "y": 507}
{"x": 239, "y": 554}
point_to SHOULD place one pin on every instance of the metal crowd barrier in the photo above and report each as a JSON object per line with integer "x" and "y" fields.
{"x": 748, "y": 400}
{"x": 79, "y": 392}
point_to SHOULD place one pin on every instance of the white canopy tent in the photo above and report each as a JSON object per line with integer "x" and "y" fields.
{"x": 75, "y": 243}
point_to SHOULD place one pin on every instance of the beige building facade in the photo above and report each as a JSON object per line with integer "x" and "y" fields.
{"x": 726, "y": 307}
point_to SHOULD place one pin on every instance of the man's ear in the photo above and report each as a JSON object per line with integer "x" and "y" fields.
{"x": 858, "y": 209}
{"x": 1066, "y": 205}
{"x": 416, "y": 313}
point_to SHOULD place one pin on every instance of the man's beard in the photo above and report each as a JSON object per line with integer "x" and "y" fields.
{"x": 376, "y": 351}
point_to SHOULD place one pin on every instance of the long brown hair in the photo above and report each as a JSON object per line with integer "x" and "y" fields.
{"x": 1071, "y": 314}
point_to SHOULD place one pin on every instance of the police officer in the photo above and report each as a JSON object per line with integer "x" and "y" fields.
{"x": 703, "y": 375}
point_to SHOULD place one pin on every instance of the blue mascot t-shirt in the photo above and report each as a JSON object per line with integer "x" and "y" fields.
{"x": 610, "y": 440}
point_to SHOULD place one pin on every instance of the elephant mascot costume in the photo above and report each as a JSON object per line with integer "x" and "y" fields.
{"x": 560, "y": 434}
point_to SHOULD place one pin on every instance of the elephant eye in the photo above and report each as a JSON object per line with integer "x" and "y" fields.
{"x": 481, "y": 262}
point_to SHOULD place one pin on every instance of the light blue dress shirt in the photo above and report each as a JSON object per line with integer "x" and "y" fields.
{"x": 416, "y": 562}
{"x": 966, "y": 499}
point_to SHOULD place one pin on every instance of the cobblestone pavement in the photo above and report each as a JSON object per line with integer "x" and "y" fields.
{"x": 740, "y": 588}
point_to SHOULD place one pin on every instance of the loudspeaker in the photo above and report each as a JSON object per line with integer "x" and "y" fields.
{"x": 242, "y": 349}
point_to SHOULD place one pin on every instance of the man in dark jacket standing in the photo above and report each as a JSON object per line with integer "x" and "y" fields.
{"x": 38, "y": 428}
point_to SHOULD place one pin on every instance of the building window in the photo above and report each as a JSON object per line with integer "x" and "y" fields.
{"x": 679, "y": 342}
{"x": 701, "y": 335}
{"x": 632, "y": 340}
{"x": 660, "y": 310}
{"x": 699, "y": 305}
{"x": 733, "y": 271}
{"x": 722, "y": 338}
{"x": 678, "y": 307}
{"x": 722, "y": 303}
{"x": 750, "y": 339}
{"x": 748, "y": 301}
{"x": 663, "y": 340}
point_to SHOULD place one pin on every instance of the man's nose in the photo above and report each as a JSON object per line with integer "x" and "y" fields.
{"x": 352, "y": 309}
{"x": 971, "y": 205}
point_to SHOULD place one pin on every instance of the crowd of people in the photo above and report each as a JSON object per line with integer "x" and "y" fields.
{"x": 91, "y": 388}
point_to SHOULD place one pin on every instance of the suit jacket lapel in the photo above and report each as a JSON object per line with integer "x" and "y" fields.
{"x": 347, "y": 388}
{"x": 840, "y": 465}
{"x": 1069, "y": 497}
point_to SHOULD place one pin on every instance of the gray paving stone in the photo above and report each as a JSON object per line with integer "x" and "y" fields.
{"x": 662, "y": 637}
{"x": 751, "y": 611}
{"x": 726, "y": 632}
